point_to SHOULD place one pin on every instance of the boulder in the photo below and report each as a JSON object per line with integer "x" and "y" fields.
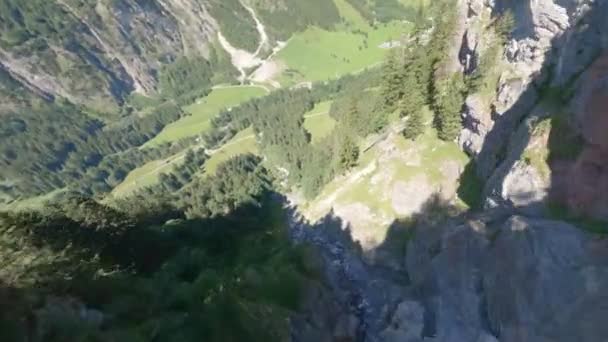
{"x": 524, "y": 185}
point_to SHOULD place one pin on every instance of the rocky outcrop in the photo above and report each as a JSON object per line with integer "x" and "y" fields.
{"x": 580, "y": 180}
{"x": 552, "y": 44}
{"x": 537, "y": 25}
{"x": 498, "y": 276}
{"x": 510, "y": 278}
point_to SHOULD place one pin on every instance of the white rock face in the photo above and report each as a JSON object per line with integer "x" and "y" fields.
{"x": 523, "y": 185}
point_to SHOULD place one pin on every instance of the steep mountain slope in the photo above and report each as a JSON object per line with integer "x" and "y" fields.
{"x": 97, "y": 52}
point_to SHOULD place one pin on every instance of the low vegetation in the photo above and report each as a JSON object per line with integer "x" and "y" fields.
{"x": 318, "y": 123}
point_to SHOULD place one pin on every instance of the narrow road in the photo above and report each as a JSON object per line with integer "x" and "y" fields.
{"x": 259, "y": 26}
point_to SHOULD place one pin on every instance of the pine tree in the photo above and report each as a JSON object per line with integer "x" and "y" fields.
{"x": 347, "y": 151}
{"x": 414, "y": 126}
{"x": 448, "y": 101}
{"x": 392, "y": 79}
{"x": 413, "y": 96}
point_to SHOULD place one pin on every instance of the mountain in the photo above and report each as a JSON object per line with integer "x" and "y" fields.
{"x": 97, "y": 52}
{"x": 280, "y": 170}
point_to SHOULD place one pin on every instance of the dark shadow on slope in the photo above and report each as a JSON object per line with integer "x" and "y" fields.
{"x": 367, "y": 285}
{"x": 471, "y": 274}
{"x": 190, "y": 280}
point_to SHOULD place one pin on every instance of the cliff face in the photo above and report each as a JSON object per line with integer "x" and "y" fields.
{"x": 544, "y": 77}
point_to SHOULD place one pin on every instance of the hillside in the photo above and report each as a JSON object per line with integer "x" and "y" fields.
{"x": 285, "y": 170}
{"x": 96, "y": 53}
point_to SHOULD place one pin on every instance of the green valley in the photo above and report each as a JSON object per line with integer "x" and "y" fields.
{"x": 203, "y": 110}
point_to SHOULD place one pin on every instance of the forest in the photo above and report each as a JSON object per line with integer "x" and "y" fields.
{"x": 116, "y": 276}
{"x": 92, "y": 156}
{"x": 40, "y": 155}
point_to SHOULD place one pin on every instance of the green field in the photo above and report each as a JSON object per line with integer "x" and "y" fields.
{"x": 242, "y": 143}
{"x": 318, "y": 122}
{"x": 146, "y": 175}
{"x": 204, "y": 110}
{"x": 317, "y": 54}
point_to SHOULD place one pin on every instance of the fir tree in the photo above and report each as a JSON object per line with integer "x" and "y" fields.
{"x": 448, "y": 101}
{"x": 414, "y": 126}
{"x": 392, "y": 79}
{"x": 346, "y": 150}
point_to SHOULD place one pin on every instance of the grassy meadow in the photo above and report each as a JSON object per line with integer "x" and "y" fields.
{"x": 201, "y": 112}
{"x": 317, "y": 54}
{"x": 242, "y": 143}
{"x": 318, "y": 122}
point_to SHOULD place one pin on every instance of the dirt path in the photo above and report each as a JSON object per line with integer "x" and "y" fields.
{"x": 242, "y": 59}
{"x": 264, "y": 70}
{"x": 212, "y": 152}
{"x": 315, "y": 115}
{"x": 259, "y": 26}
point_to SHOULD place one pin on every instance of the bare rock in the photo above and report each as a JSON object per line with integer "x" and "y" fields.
{"x": 346, "y": 329}
{"x": 541, "y": 282}
{"x": 516, "y": 279}
{"x": 408, "y": 198}
{"x": 524, "y": 186}
{"x": 476, "y": 124}
{"x": 407, "y": 323}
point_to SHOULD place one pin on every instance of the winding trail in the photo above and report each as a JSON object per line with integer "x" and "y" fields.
{"x": 261, "y": 86}
{"x": 315, "y": 114}
{"x": 261, "y": 70}
{"x": 259, "y": 26}
{"x": 242, "y": 59}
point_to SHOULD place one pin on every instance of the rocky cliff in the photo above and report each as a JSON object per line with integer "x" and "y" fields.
{"x": 500, "y": 275}
{"x": 527, "y": 128}
{"x": 512, "y": 272}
